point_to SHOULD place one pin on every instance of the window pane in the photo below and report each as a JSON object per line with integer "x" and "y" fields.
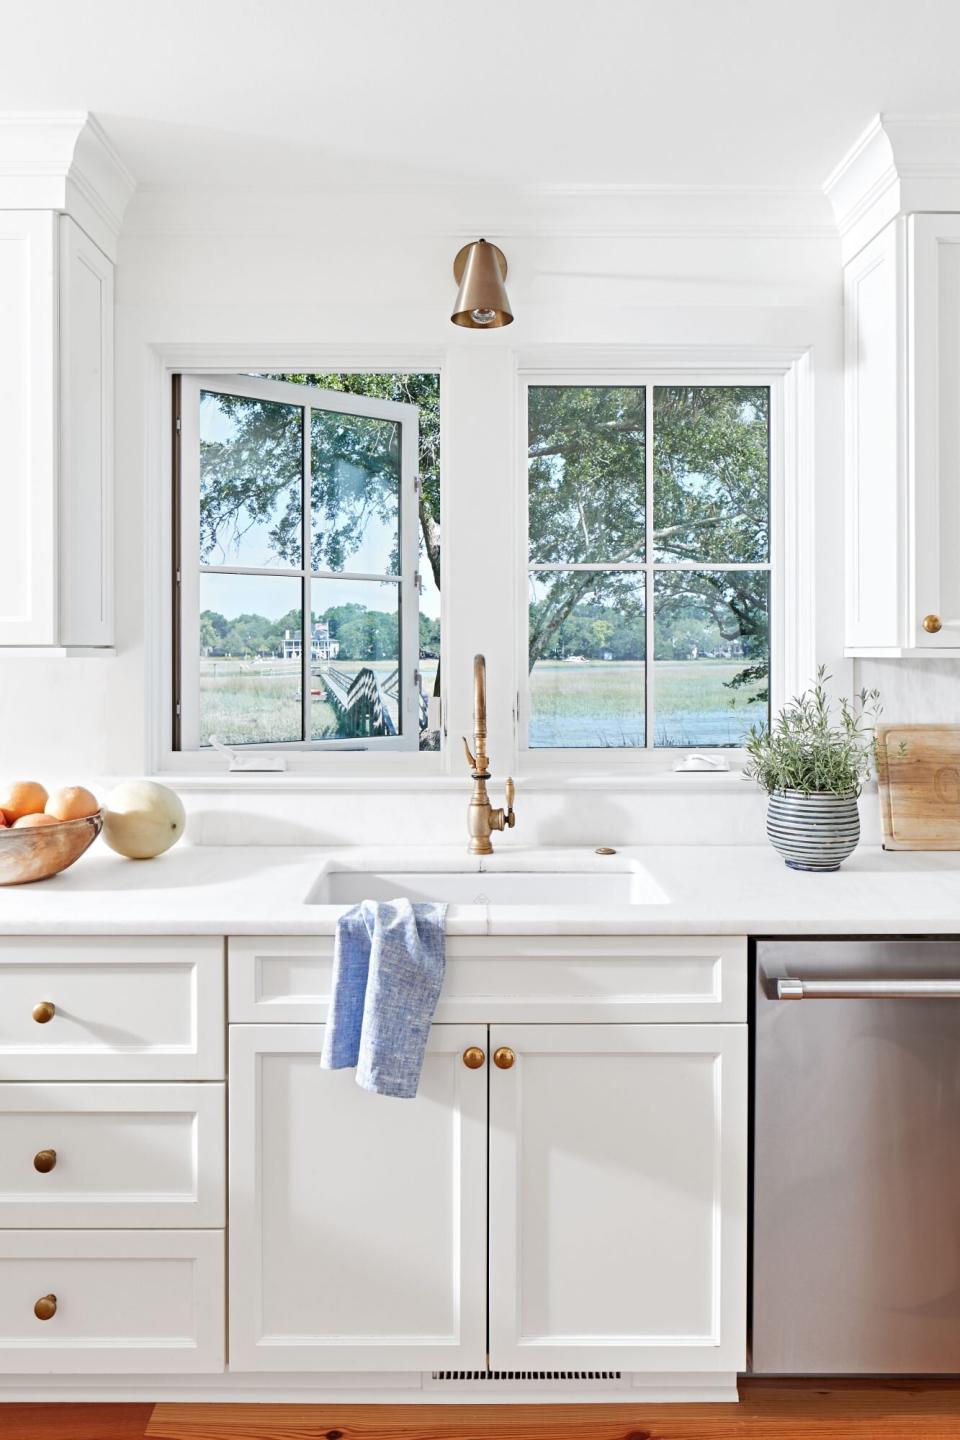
{"x": 251, "y": 461}
{"x": 587, "y": 647}
{"x": 586, "y": 474}
{"x": 422, "y": 390}
{"x": 250, "y": 686}
{"x": 355, "y": 493}
{"x": 711, "y": 455}
{"x": 354, "y": 663}
{"x": 712, "y": 656}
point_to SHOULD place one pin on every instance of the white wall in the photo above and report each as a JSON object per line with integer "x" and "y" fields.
{"x": 360, "y": 271}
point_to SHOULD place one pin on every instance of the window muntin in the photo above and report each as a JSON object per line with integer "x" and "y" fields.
{"x": 699, "y": 576}
{"x": 247, "y": 516}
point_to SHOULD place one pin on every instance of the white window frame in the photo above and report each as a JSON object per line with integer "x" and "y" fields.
{"x": 189, "y": 567}
{"x": 471, "y": 529}
{"x": 790, "y": 566}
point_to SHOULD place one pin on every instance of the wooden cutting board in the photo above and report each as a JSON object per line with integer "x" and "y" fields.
{"x": 919, "y": 786}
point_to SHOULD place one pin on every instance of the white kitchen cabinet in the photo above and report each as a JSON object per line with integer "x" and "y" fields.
{"x": 617, "y": 1203}
{"x": 902, "y": 466}
{"x": 101, "y": 1302}
{"x": 112, "y": 1155}
{"x": 56, "y": 384}
{"x": 357, "y": 1223}
{"x": 85, "y": 481}
{"x": 618, "y": 1159}
{"x": 135, "y": 1007}
{"x": 642, "y": 978}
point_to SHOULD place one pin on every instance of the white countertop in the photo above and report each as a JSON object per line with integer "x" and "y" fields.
{"x": 743, "y": 890}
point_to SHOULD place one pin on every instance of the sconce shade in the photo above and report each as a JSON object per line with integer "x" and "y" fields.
{"x": 480, "y": 270}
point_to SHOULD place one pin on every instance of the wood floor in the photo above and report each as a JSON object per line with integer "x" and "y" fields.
{"x": 768, "y": 1410}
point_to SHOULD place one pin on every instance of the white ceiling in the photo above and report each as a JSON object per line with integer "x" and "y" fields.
{"x": 552, "y": 92}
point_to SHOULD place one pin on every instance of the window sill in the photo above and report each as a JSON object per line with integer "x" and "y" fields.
{"x": 541, "y": 782}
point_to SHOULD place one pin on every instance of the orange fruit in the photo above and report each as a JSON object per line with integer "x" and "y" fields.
{"x": 23, "y": 797}
{"x": 72, "y": 802}
{"x": 26, "y": 820}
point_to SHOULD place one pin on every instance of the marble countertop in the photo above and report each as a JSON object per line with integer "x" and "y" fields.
{"x": 743, "y": 890}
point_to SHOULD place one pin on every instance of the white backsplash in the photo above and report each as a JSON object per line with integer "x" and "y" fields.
{"x": 733, "y": 814}
{"x": 914, "y": 691}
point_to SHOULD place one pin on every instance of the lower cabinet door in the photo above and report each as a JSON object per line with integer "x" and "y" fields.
{"x": 102, "y": 1302}
{"x": 357, "y": 1222}
{"x": 618, "y": 1161}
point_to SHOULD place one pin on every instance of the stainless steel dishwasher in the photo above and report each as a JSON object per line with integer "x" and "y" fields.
{"x": 856, "y": 1162}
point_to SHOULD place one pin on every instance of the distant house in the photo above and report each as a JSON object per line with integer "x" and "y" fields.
{"x": 321, "y": 646}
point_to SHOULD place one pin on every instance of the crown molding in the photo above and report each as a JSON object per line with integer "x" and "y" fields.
{"x": 900, "y": 164}
{"x": 63, "y": 161}
{"x": 456, "y": 212}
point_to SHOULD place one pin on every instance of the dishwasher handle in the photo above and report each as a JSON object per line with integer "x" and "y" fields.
{"x": 791, "y": 988}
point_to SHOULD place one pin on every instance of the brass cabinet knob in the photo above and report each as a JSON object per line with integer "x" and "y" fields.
{"x": 473, "y": 1057}
{"x": 44, "y": 1161}
{"x": 46, "y": 1307}
{"x": 44, "y": 1011}
{"x": 932, "y": 624}
{"x": 504, "y": 1057}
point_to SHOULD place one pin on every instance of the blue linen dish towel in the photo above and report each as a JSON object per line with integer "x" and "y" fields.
{"x": 388, "y": 966}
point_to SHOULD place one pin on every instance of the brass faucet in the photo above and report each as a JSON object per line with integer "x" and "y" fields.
{"x": 482, "y": 819}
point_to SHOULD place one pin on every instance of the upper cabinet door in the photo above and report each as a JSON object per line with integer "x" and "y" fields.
{"x": 618, "y": 1197}
{"x": 56, "y": 384}
{"x": 902, "y": 420}
{"x": 934, "y": 248}
{"x": 357, "y": 1222}
{"x": 28, "y": 371}
{"x": 876, "y": 498}
{"x": 86, "y": 440}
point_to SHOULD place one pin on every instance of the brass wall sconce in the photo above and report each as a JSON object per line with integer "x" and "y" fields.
{"x": 480, "y": 270}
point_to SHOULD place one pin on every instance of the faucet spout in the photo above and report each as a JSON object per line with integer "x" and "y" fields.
{"x": 481, "y": 762}
{"x": 482, "y": 819}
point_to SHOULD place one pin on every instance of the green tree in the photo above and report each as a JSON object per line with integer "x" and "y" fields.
{"x": 252, "y": 476}
{"x": 587, "y": 466}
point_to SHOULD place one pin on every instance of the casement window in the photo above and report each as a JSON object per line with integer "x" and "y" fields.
{"x": 649, "y": 564}
{"x": 307, "y": 561}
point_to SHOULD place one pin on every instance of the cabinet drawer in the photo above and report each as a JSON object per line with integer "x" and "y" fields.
{"x": 124, "y": 1008}
{"x": 111, "y": 1155}
{"x": 676, "y": 979}
{"x": 134, "y": 1302}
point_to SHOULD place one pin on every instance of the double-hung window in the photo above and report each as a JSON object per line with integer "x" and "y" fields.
{"x": 649, "y": 564}
{"x": 298, "y": 544}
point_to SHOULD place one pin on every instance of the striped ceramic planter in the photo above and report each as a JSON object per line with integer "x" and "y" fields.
{"x": 813, "y": 832}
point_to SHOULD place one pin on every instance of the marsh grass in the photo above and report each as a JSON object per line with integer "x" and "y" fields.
{"x": 601, "y": 703}
{"x": 245, "y": 703}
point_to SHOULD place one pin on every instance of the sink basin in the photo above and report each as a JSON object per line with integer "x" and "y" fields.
{"x": 628, "y": 884}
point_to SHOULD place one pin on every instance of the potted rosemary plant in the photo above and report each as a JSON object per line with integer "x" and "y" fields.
{"x": 812, "y": 763}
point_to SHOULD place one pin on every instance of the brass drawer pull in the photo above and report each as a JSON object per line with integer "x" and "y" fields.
{"x": 45, "y": 1161}
{"x": 473, "y": 1057}
{"x": 932, "y": 624}
{"x": 504, "y": 1057}
{"x": 46, "y": 1307}
{"x": 44, "y": 1011}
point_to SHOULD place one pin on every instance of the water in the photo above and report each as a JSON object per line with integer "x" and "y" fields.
{"x": 691, "y": 728}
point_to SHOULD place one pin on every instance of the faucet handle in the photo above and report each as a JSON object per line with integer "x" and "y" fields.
{"x": 471, "y": 759}
{"x": 510, "y": 791}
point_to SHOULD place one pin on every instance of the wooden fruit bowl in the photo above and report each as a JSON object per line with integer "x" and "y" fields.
{"x": 37, "y": 852}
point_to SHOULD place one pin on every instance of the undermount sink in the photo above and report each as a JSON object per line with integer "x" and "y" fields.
{"x": 624, "y": 884}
